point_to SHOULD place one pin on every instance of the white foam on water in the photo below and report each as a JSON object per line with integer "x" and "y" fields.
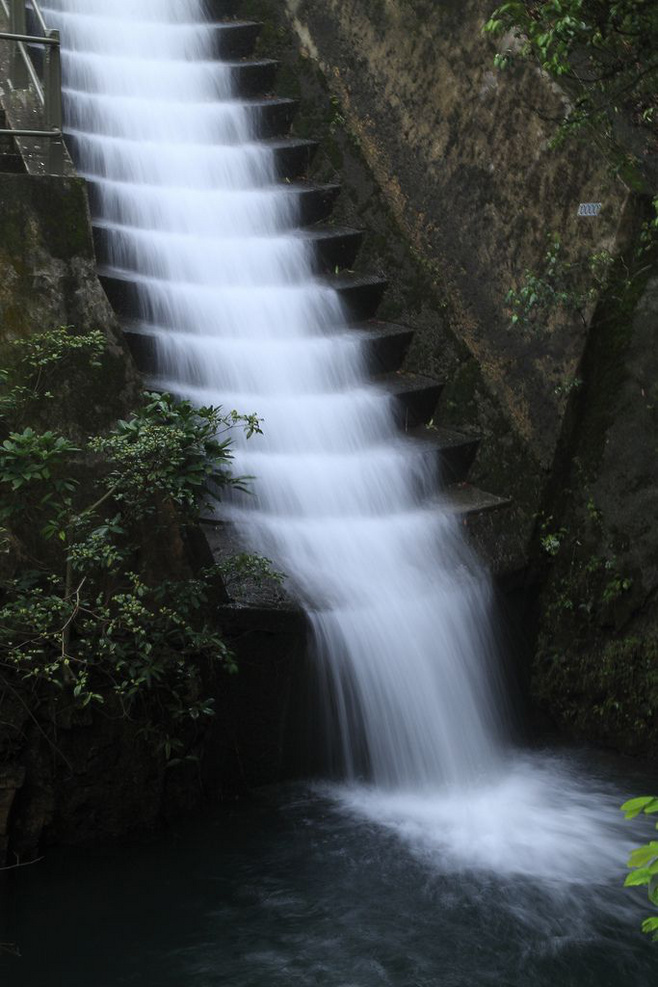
{"x": 539, "y": 816}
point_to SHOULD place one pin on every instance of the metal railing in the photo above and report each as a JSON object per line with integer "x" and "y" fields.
{"x": 24, "y": 73}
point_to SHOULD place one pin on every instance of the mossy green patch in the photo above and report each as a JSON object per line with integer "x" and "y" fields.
{"x": 64, "y": 209}
{"x": 605, "y": 365}
{"x": 608, "y": 694}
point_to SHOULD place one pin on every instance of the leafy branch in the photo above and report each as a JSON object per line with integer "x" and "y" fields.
{"x": 85, "y": 617}
{"x": 605, "y": 50}
{"x": 560, "y": 289}
{"x": 643, "y": 862}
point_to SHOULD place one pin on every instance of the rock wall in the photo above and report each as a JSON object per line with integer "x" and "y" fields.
{"x": 462, "y": 155}
{"x": 47, "y": 258}
{"x": 48, "y": 277}
{"x": 596, "y": 664}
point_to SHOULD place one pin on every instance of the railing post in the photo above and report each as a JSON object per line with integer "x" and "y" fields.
{"x": 52, "y": 85}
{"x": 18, "y": 25}
{"x": 18, "y": 17}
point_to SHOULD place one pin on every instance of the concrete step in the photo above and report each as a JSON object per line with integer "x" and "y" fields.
{"x": 451, "y": 451}
{"x": 270, "y": 117}
{"x": 413, "y": 399}
{"x": 234, "y": 39}
{"x": 292, "y": 156}
{"x": 314, "y": 202}
{"x": 467, "y": 502}
{"x": 221, "y": 10}
{"x": 416, "y": 396}
{"x": 268, "y": 603}
{"x": 385, "y": 346}
{"x": 250, "y": 77}
{"x": 265, "y": 117}
{"x": 123, "y": 295}
{"x": 460, "y": 499}
{"x": 328, "y": 247}
{"x": 335, "y": 247}
{"x": 253, "y": 77}
{"x": 360, "y": 293}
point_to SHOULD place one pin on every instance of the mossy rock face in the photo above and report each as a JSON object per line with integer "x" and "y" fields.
{"x": 48, "y": 279}
{"x": 461, "y": 157}
{"x": 61, "y": 205}
{"x": 46, "y": 254}
{"x": 608, "y": 694}
{"x": 596, "y": 669}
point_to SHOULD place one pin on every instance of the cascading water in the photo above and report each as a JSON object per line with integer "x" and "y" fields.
{"x": 191, "y": 213}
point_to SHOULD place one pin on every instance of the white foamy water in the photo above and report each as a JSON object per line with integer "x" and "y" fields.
{"x": 191, "y": 213}
{"x": 538, "y": 816}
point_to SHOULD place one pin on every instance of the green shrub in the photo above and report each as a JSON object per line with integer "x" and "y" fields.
{"x": 90, "y": 615}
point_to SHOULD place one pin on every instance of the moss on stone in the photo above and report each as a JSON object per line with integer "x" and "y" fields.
{"x": 608, "y": 694}
{"x": 605, "y": 360}
{"x": 63, "y": 207}
{"x": 49, "y": 280}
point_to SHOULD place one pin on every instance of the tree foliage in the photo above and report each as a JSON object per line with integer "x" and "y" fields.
{"x": 559, "y": 289}
{"x": 643, "y": 862}
{"x": 87, "y": 614}
{"x": 607, "y": 50}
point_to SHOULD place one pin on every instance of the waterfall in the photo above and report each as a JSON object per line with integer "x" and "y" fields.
{"x": 190, "y": 211}
{"x": 193, "y": 219}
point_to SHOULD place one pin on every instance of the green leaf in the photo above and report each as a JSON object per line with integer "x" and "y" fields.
{"x": 643, "y": 855}
{"x": 635, "y": 806}
{"x": 638, "y": 877}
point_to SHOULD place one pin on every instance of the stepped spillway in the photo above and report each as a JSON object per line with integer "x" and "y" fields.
{"x": 195, "y": 228}
{"x": 211, "y": 253}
